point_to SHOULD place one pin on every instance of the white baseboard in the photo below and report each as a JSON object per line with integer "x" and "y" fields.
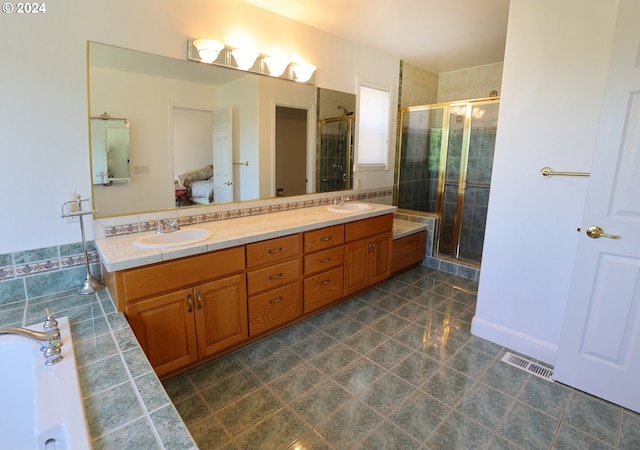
{"x": 513, "y": 340}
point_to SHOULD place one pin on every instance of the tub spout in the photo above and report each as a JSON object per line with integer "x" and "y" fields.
{"x": 49, "y": 339}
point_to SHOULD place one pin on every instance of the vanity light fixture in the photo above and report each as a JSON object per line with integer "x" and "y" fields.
{"x": 244, "y": 58}
{"x": 208, "y": 49}
{"x": 276, "y": 65}
{"x": 303, "y": 72}
{"x": 217, "y": 53}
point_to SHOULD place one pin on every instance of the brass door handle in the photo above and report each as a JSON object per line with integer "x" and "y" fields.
{"x": 190, "y": 302}
{"x": 596, "y": 232}
{"x": 199, "y": 297}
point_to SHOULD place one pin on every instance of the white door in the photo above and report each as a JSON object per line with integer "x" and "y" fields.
{"x": 222, "y": 156}
{"x": 599, "y": 349}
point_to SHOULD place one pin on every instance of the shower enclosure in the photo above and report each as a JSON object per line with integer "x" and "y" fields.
{"x": 444, "y": 167}
{"x": 334, "y": 165}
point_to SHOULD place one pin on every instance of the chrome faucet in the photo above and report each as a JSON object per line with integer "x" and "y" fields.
{"x": 168, "y": 226}
{"x": 339, "y": 201}
{"x": 49, "y": 339}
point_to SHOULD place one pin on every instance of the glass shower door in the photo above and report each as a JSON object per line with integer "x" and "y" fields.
{"x": 419, "y": 164}
{"x": 467, "y": 180}
{"x": 454, "y": 171}
{"x": 482, "y": 139}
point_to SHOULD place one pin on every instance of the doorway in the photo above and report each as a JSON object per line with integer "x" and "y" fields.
{"x": 291, "y": 151}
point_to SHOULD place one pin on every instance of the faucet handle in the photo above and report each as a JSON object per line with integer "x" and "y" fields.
{"x": 50, "y": 323}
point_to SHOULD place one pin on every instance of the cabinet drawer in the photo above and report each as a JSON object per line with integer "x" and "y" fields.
{"x": 368, "y": 227}
{"x": 150, "y": 280}
{"x": 322, "y": 289}
{"x": 408, "y": 250}
{"x": 273, "y": 250}
{"x": 326, "y": 259}
{"x": 273, "y": 276}
{"x": 274, "y": 308}
{"x": 323, "y": 238}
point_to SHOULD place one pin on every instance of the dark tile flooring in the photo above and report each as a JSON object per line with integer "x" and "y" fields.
{"x": 393, "y": 368}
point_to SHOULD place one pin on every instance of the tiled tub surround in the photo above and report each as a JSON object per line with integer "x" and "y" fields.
{"x": 37, "y": 272}
{"x": 125, "y": 404}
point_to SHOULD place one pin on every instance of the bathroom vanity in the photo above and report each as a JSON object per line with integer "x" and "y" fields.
{"x": 192, "y": 303}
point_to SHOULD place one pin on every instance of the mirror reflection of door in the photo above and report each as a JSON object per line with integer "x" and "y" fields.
{"x": 222, "y": 156}
{"x": 291, "y": 151}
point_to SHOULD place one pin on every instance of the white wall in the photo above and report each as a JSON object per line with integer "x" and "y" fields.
{"x": 43, "y": 87}
{"x": 554, "y": 73}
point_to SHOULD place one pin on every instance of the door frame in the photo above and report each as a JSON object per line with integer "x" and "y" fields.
{"x": 311, "y": 142}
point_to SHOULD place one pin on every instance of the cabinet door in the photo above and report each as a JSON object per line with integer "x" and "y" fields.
{"x": 380, "y": 258}
{"x": 221, "y": 314}
{"x": 165, "y": 328}
{"x": 355, "y": 266}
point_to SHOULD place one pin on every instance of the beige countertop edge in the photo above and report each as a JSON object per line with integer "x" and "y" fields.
{"x": 118, "y": 253}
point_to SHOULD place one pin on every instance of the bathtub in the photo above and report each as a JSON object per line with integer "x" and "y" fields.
{"x": 40, "y": 406}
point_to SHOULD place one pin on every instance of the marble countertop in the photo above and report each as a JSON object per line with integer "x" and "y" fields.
{"x": 119, "y": 253}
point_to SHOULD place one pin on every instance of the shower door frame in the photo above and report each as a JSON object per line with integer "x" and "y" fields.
{"x": 444, "y": 152}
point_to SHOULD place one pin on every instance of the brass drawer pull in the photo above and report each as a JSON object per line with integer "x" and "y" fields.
{"x": 326, "y": 260}
{"x": 275, "y": 250}
{"x": 199, "y": 297}
{"x": 190, "y": 301}
{"x": 276, "y": 300}
{"x": 322, "y": 283}
{"x": 326, "y": 238}
{"x": 276, "y": 276}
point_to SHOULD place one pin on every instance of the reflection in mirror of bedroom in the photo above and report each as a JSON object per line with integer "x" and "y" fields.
{"x": 192, "y": 155}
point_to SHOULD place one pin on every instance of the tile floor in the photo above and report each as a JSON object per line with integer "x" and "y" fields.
{"x": 394, "y": 368}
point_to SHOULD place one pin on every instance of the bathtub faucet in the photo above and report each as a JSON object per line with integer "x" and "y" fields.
{"x": 49, "y": 339}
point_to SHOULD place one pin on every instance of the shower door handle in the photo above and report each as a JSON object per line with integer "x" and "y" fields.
{"x": 596, "y": 232}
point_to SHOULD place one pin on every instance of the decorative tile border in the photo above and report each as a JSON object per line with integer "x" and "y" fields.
{"x": 214, "y": 216}
{"x": 35, "y": 272}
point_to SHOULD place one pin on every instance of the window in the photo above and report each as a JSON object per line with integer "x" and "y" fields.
{"x": 373, "y": 126}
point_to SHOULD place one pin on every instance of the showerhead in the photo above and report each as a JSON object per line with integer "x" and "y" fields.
{"x": 345, "y": 110}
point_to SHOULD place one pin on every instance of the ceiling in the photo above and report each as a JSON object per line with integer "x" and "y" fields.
{"x": 437, "y": 35}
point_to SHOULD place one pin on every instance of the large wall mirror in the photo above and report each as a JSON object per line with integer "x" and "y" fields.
{"x": 205, "y": 134}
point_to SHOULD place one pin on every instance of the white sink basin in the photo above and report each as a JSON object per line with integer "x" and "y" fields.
{"x": 350, "y": 207}
{"x": 173, "y": 239}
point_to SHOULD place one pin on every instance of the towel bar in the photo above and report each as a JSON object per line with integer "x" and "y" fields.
{"x": 548, "y": 172}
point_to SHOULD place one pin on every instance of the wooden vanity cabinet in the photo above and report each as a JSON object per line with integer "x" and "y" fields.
{"x": 190, "y": 309}
{"x": 408, "y": 251}
{"x": 367, "y": 253}
{"x": 176, "y": 323}
{"x": 273, "y": 283}
{"x": 323, "y": 267}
